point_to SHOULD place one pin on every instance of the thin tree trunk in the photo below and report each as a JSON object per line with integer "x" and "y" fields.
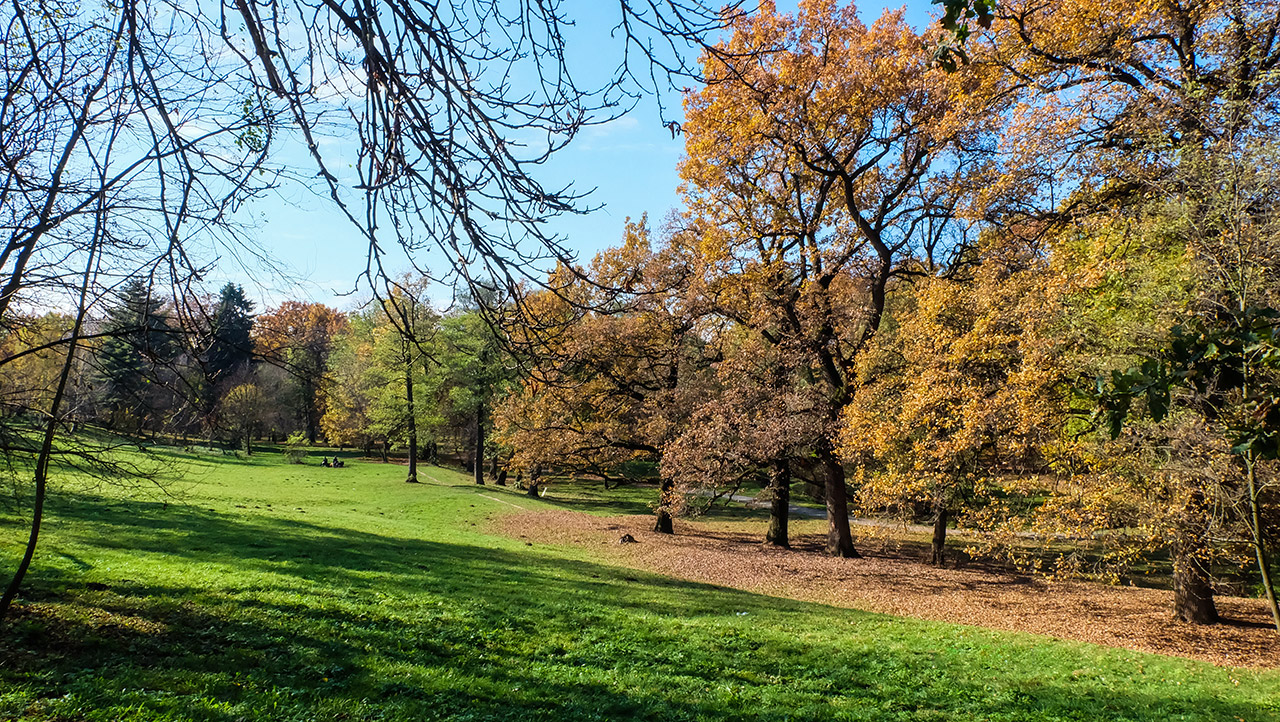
{"x": 46, "y": 445}
{"x": 413, "y": 425}
{"x": 534, "y": 477}
{"x": 309, "y": 410}
{"x": 37, "y": 516}
{"x": 780, "y": 506}
{"x": 938, "y": 552}
{"x": 839, "y": 537}
{"x": 386, "y": 444}
{"x": 478, "y": 467}
{"x": 1259, "y": 542}
{"x": 1255, "y": 516}
{"x": 663, "y": 523}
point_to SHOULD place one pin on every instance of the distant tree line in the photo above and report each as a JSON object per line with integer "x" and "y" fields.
{"x": 208, "y": 370}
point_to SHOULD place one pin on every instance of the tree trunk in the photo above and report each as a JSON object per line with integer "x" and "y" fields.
{"x": 412, "y": 478}
{"x": 309, "y": 410}
{"x": 502, "y": 477}
{"x": 663, "y": 523}
{"x": 493, "y": 467}
{"x": 839, "y": 538}
{"x": 37, "y": 516}
{"x": 478, "y": 467}
{"x": 942, "y": 514}
{"x": 1192, "y": 591}
{"x": 41, "y": 476}
{"x": 386, "y": 447}
{"x": 1192, "y": 585}
{"x": 534, "y": 477}
{"x": 1259, "y": 540}
{"x": 248, "y": 444}
{"x": 780, "y": 507}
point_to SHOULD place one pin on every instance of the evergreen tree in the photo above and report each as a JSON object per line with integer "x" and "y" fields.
{"x": 139, "y": 344}
{"x": 231, "y": 343}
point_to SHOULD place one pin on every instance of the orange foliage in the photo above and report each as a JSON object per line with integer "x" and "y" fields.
{"x": 613, "y": 362}
{"x": 300, "y": 336}
{"x": 970, "y": 386}
{"x": 825, "y": 160}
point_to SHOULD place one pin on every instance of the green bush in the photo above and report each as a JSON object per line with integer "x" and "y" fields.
{"x": 296, "y": 448}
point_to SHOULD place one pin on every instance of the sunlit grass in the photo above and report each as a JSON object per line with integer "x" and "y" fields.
{"x": 265, "y": 591}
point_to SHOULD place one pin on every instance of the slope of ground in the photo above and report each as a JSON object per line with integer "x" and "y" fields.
{"x": 726, "y": 554}
{"x": 275, "y": 592}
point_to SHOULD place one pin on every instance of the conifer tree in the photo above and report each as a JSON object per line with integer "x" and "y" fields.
{"x": 231, "y": 343}
{"x": 139, "y": 344}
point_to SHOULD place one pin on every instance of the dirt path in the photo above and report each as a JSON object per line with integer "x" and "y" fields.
{"x": 1133, "y": 618}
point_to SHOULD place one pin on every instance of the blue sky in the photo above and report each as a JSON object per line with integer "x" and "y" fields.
{"x": 630, "y": 163}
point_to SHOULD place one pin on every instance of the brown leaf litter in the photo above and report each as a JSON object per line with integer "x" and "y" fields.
{"x": 1128, "y": 617}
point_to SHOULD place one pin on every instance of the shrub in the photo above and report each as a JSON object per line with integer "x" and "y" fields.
{"x": 296, "y": 448}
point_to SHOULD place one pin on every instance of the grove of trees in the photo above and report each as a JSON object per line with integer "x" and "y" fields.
{"x": 1028, "y": 290}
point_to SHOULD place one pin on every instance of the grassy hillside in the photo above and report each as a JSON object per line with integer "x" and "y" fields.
{"x": 276, "y": 592}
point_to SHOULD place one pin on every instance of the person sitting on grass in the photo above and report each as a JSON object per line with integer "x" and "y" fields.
{"x": 338, "y": 463}
{"x": 324, "y": 461}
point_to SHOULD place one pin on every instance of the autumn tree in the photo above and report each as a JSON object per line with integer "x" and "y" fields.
{"x": 349, "y": 412}
{"x": 1216, "y": 371}
{"x": 241, "y": 410}
{"x": 608, "y": 388}
{"x": 823, "y": 159}
{"x": 32, "y": 359}
{"x": 758, "y": 419}
{"x": 968, "y": 387}
{"x": 1115, "y": 97}
{"x": 1160, "y": 112}
{"x": 299, "y": 337}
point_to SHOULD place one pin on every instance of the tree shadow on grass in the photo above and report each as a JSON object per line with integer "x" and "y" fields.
{"x": 328, "y": 623}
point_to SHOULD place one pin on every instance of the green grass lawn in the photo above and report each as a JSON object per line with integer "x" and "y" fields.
{"x": 276, "y": 592}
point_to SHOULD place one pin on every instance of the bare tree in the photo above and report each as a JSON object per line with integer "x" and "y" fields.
{"x": 455, "y": 104}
